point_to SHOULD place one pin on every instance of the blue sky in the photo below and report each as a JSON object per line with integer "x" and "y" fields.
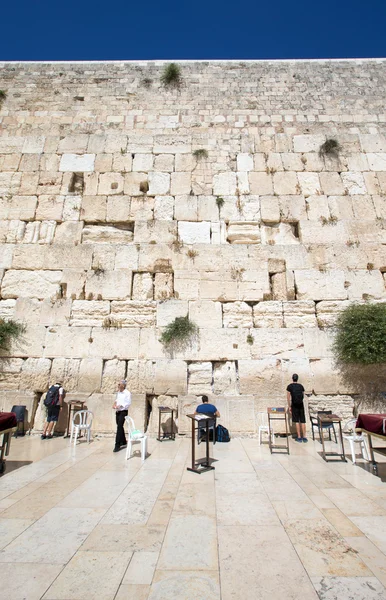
{"x": 85, "y": 30}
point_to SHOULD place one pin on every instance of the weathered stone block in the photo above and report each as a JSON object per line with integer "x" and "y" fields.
{"x": 309, "y": 183}
{"x": 225, "y": 378}
{"x": 169, "y": 310}
{"x": 268, "y": 314}
{"x": 113, "y": 372}
{"x": 90, "y": 375}
{"x": 354, "y": 183}
{"x": 134, "y": 313}
{"x": 35, "y": 374}
{"x": 163, "y": 286}
{"x": 243, "y": 233}
{"x": 270, "y": 210}
{"x": 285, "y": 183}
{"x": 314, "y": 285}
{"x": 170, "y": 377}
{"x": 327, "y": 311}
{"x": 153, "y": 232}
{"x": 224, "y": 184}
{"x": 260, "y": 183}
{"x": 206, "y": 313}
{"x": 89, "y": 313}
{"x": 143, "y": 162}
{"x": 159, "y": 184}
{"x": 114, "y": 343}
{"x": 142, "y": 286}
{"x": 110, "y": 184}
{"x": 180, "y": 183}
{"x": 163, "y": 208}
{"x": 35, "y": 284}
{"x": 300, "y": 313}
{"x": 200, "y": 378}
{"x": 194, "y": 233}
{"x": 237, "y": 314}
{"x": 106, "y": 234}
{"x": 77, "y": 163}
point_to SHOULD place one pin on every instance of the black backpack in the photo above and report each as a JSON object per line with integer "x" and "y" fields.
{"x": 222, "y": 434}
{"x": 52, "y": 396}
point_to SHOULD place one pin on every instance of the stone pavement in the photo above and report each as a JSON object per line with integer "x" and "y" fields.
{"x": 84, "y": 523}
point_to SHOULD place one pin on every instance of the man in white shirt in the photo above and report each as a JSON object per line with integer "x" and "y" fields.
{"x": 121, "y": 405}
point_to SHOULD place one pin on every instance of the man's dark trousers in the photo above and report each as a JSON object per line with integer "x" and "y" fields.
{"x": 120, "y": 438}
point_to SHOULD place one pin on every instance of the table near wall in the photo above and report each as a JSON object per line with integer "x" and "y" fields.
{"x": 325, "y": 419}
{"x": 374, "y": 425}
{"x": 73, "y": 406}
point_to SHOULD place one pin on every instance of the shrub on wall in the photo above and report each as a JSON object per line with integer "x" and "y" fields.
{"x": 361, "y": 334}
{"x": 171, "y": 76}
{"x": 9, "y": 331}
{"x": 179, "y": 333}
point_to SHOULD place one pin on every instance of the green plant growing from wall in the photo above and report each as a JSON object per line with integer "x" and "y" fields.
{"x": 250, "y": 339}
{"x": 10, "y": 331}
{"x": 220, "y": 203}
{"x": 3, "y": 96}
{"x": 146, "y": 83}
{"x": 330, "y": 148}
{"x": 171, "y": 76}
{"x": 200, "y": 154}
{"x": 361, "y": 334}
{"x": 179, "y": 333}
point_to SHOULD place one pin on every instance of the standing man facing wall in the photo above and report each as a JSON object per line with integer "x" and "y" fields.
{"x": 295, "y": 396}
{"x": 121, "y": 405}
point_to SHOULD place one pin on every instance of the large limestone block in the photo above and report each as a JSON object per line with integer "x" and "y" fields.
{"x": 281, "y": 343}
{"x": 285, "y": 183}
{"x": 71, "y": 208}
{"x": 206, "y": 313}
{"x": 186, "y": 208}
{"x": 7, "y": 308}
{"x": 49, "y": 208}
{"x": 66, "y": 371}
{"x": 262, "y": 377}
{"x": 314, "y": 285}
{"x": 327, "y": 311}
{"x": 111, "y": 285}
{"x": 113, "y": 372}
{"x": 313, "y": 232}
{"x": 268, "y": 314}
{"x": 135, "y": 184}
{"x": 52, "y": 257}
{"x": 172, "y": 144}
{"x": 260, "y": 183}
{"x": 292, "y": 208}
{"x": 21, "y": 207}
{"x": 377, "y": 161}
{"x": 241, "y": 415}
{"x": 106, "y": 234}
{"x": 36, "y": 284}
{"x": 317, "y": 343}
{"x": 142, "y": 286}
{"x": 325, "y": 380}
{"x": 10, "y": 183}
{"x": 75, "y": 142}
{"x": 163, "y": 286}
{"x": 308, "y": 143}
{"x": 68, "y": 341}
{"x": 200, "y": 378}
{"x": 140, "y": 376}
{"x": 309, "y": 183}
{"x": 237, "y": 314}
{"x": 373, "y": 142}
{"x": 35, "y": 374}
{"x": 73, "y": 283}
{"x": 94, "y": 208}
{"x": 134, "y": 313}
{"x": 331, "y": 184}
{"x": 194, "y": 233}
{"x": 365, "y": 284}
{"x": 181, "y": 183}
{"x": 118, "y": 208}
{"x": 299, "y": 313}
{"x": 170, "y": 377}
{"x": 90, "y": 375}
{"x": 169, "y": 310}
{"x": 159, "y": 184}
{"x": 253, "y": 286}
{"x": 11, "y": 144}
{"x": 143, "y": 162}
{"x": 279, "y": 286}
{"x": 270, "y": 210}
{"x": 243, "y": 233}
{"x": 225, "y": 378}
{"x": 114, "y": 343}
{"x": 354, "y": 183}
{"x": 126, "y": 257}
{"x": 244, "y": 162}
{"x": 69, "y": 232}
{"x": 156, "y": 258}
{"x": 223, "y": 345}
{"x": 77, "y": 163}
{"x": 250, "y": 209}
{"x": 216, "y": 288}
{"x": 29, "y": 310}
{"x": 54, "y": 312}
{"x": 163, "y": 208}
{"x": 224, "y": 184}
{"x": 153, "y": 232}
{"x": 6, "y": 255}
{"x": 89, "y": 313}
{"x": 110, "y": 184}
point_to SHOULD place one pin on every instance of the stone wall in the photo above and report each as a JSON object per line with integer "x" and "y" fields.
{"x": 111, "y": 227}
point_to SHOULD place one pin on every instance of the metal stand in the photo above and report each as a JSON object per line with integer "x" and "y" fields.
{"x": 5, "y": 445}
{"x": 203, "y": 464}
{"x": 326, "y": 419}
{"x": 166, "y": 435}
{"x": 278, "y": 414}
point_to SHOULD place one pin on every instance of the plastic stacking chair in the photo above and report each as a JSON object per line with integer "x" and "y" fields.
{"x": 328, "y": 426}
{"x": 134, "y": 435}
{"x": 81, "y": 421}
{"x": 264, "y": 427}
{"x": 353, "y": 438}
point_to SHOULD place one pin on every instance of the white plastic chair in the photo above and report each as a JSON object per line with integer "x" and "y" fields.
{"x": 81, "y": 421}
{"x": 264, "y": 427}
{"x": 355, "y": 438}
{"x": 134, "y": 435}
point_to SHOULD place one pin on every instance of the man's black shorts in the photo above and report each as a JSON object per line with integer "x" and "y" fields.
{"x": 53, "y": 413}
{"x": 298, "y": 415}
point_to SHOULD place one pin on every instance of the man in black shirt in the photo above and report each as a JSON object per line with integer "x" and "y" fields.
{"x": 295, "y": 395}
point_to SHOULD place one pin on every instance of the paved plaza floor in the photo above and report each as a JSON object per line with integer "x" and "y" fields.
{"x": 82, "y": 524}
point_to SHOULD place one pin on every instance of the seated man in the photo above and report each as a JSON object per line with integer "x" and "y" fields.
{"x": 208, "y": 410}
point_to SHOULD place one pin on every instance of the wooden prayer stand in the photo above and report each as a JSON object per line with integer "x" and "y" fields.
{"x": 323, "y": 419}
{"x": 202, "y": 464}
{"x": 166, "y": 435}
{"x": 278, "y": 414}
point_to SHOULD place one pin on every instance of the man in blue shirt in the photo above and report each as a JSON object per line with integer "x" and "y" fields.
{"x": 206, "y": 408}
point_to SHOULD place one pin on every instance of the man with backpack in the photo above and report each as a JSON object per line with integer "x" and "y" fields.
{"x": 295, "y": 396}
{"x": 53, "y": 402}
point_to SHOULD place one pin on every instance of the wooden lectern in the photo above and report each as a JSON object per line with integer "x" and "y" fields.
{"x": 201, "y": 465}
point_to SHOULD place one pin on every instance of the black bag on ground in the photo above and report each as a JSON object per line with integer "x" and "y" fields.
{"x": 52, "y": 396}
{"x": 222, "y": 434}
